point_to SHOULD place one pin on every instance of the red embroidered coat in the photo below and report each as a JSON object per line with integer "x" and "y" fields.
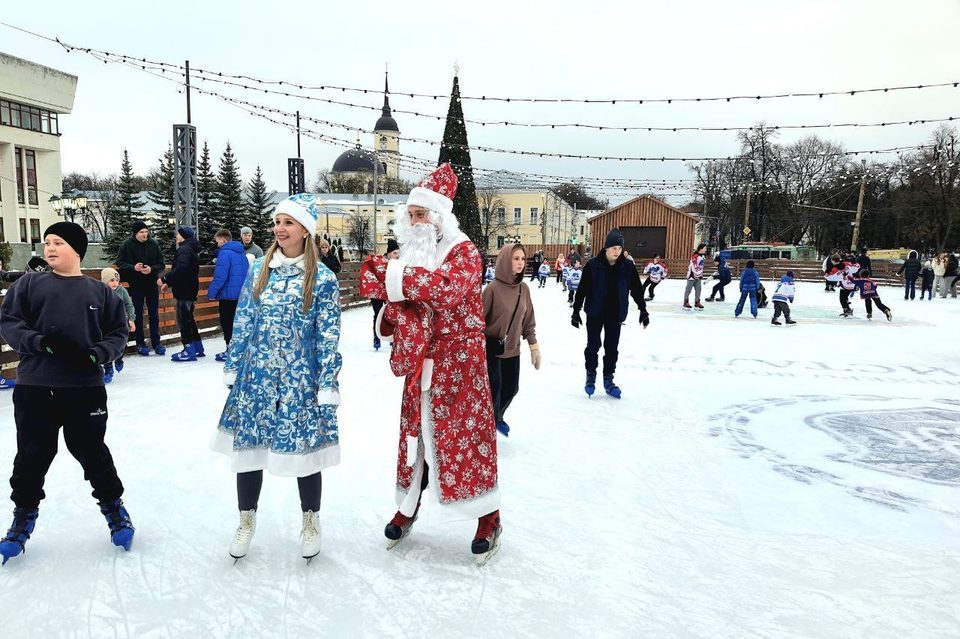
{"x": 437, "y": 320}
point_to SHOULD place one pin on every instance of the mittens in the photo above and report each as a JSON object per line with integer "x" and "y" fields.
{"x": 535, "y": 355}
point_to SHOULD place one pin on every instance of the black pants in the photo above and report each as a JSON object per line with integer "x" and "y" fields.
{"x": 781, "y": 307}
{"x": 40, "y": 412}
{"x": 504, "y": 376}
{"x": 718, "y": 288}
{"x": 228, "y": 310}
{"x": 845, "y": 299}
{"x": 152, "y": 298}
{"x": 189, "y": 333}
{"x": 249, "y": 485}
{"x": 376, "y": 305}
{"x": 870, "y": 301}
{"x": 648, "y": 287}
{"x": 611, "y": 340}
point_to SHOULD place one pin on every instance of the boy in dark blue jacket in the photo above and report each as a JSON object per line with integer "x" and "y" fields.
{"x": 64, "y": 325}
{"x": 184, "y": 278}
{"x": 724, "y": 277}
{"x": 749, "y": 284}
{"x": 604, "y": 285}
{"x": 228, "y": 277}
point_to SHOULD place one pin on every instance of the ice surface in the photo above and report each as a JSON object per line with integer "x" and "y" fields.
{"x": 754, "y": 481}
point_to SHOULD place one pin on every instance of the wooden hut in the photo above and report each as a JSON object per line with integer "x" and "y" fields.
{"x": 649, "y": 226}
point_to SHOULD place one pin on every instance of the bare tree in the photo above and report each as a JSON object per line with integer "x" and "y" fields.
{"x": 360, "y": 234}
{"x": 493, "y": 215}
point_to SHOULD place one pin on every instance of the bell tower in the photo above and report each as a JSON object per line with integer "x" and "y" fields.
{"x": 386, "y": 134}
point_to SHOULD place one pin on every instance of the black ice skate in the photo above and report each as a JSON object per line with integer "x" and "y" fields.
{"x": 486, "y": 542}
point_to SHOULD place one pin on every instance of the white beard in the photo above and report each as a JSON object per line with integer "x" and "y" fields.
{"x": 420, "y": 246}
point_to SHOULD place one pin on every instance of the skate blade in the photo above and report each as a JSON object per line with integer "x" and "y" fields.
{"x": 483, "y": 558}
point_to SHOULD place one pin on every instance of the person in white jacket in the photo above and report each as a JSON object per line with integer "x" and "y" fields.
{"x": 782, "y": 299}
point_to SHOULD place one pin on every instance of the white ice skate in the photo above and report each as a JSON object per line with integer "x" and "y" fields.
{"x": 240, "y": 545}
{"x": 310, "y": 535}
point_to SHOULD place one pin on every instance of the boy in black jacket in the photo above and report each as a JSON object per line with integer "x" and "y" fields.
{"x": 64, "y": 326}
{"x": 604, "y": 285}
{"x": 184, "y": 278}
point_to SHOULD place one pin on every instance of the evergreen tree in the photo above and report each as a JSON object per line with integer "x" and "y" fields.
{"x": 206, "y": 205}
{"x": 125, "y": 208}
{"x": 455, "y": 150}
{"x": 259, "y": 210}
{"x": 230, "y": 207}
{"x": 162, "y": 196}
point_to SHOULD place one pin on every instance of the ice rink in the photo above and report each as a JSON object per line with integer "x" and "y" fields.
{"x": 753, "y": 481}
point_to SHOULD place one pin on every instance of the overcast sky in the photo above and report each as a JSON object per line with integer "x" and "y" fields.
{"x": 597, "y": 49}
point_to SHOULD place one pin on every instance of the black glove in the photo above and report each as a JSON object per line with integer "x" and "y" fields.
{"x": 645, "y": 318}
{"x": 82, "y": 360}
{"x": 575, "y": 321}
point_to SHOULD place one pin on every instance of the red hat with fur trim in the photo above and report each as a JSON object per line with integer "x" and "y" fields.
{"x": 436, "y": 191}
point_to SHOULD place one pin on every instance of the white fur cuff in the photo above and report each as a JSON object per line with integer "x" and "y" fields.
{"x": 394, "y": 281}
{"x": 328, "y": 397}
{"x": 229, "y": 377}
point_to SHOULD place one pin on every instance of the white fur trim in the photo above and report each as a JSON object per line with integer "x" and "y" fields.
{"x": 430, "y": 200}
{"x": 297, "y": 212}
{"x": 379, "y": 323}
{"x": 244, "y": 461}
{"x": 426, "y": 375}
{"x": 394, "y": 281}
{"x": 412, "y": 447}
{"x": 328, "y": 397}
{"x": 229, "y": 377}
{"x": 445, "y": 247}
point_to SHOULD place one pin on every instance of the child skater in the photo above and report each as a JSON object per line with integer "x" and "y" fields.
{"x": 64, "y": 326}
{"x": 573, "y": 282}
{"x": 282, "y": 369}
{"x": 542, "y": 274}
{"x": 869, "y": 295}
{"x": 749, "y": 284}
{"x": 782, "y": 299}
{"x": 111, "y": 277}
{"x": 656, "y": 271}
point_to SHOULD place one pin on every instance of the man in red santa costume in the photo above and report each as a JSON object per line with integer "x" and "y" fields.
{"x": 434, "y": 315}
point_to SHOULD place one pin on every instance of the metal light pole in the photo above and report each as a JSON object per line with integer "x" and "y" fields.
{"x": 376, "y": 165}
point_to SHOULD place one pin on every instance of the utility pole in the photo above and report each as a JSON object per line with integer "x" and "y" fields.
{"x": 187, "y": 69}
{"x": 856, "y": 224}
{"x": 746, "y": 213}
{"x": 376, "y": 165}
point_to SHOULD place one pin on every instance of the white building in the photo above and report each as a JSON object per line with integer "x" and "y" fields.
{"x": 32, "y": 97}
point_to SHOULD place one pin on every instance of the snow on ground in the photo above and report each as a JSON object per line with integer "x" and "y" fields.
{"x": 754, "y": 481}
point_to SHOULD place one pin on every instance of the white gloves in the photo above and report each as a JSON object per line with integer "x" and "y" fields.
{"x": 535, "y": 355}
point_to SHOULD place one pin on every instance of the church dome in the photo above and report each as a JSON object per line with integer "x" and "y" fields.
{"x": 387, "y": 123}
{"x": 356, "y": 160}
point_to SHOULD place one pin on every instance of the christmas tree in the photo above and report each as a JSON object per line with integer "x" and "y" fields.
{"x": 455, "y": 150}
{"x": 231, "y": 207}
{"x": 259, "y": 210}
{"x": 206, "y": 204}
{"x": 124, "y": 210}
{"x": 162, "y": 196}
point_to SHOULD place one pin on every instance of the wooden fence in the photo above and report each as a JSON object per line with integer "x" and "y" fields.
{"x": 206, "y": 312}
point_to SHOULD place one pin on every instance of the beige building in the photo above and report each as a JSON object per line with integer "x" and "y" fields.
{"x": 32, "y": 97}
{"x": 535, "y": 216}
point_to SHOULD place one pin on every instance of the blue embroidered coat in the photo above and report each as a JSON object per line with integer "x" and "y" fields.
{"x": 283, "y": 366}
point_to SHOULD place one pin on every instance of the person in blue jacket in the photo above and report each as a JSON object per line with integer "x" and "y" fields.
{"x": 749, "y": 284}
{"x": 723, "y": 276}
{"x": 227, "y": 284}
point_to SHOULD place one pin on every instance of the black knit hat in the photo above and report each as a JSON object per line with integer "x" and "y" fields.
{"x": 186, "y": 232}
{"x": 392, "y": 245}
{"x": 614, "y": 238}
{"x": 138, "y": 226}
{"x": 72, "y": 234}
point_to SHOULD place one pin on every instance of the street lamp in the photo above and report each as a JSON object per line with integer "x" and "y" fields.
{"x": 70, "y": 204}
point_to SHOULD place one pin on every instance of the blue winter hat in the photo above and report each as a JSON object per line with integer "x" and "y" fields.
{"x": 303, "y": 208}
{"x": 614, "y": 238}
{"x": 186, "y": 232}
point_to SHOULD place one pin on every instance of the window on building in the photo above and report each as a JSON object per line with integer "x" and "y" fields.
{"x": 26, "y": 117}
{"x": 501, "y": 215}
{"x": 23, "y": 230}
{"x": 534, "y": 215}
{"x": 18, "y": 153}
{"x": 517, "y": 215}
{"x": 3, "y": 235}
{"x": 35, "y": 231}
{"x": 501, "y": 240}
{"x": 31, "y": 157}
